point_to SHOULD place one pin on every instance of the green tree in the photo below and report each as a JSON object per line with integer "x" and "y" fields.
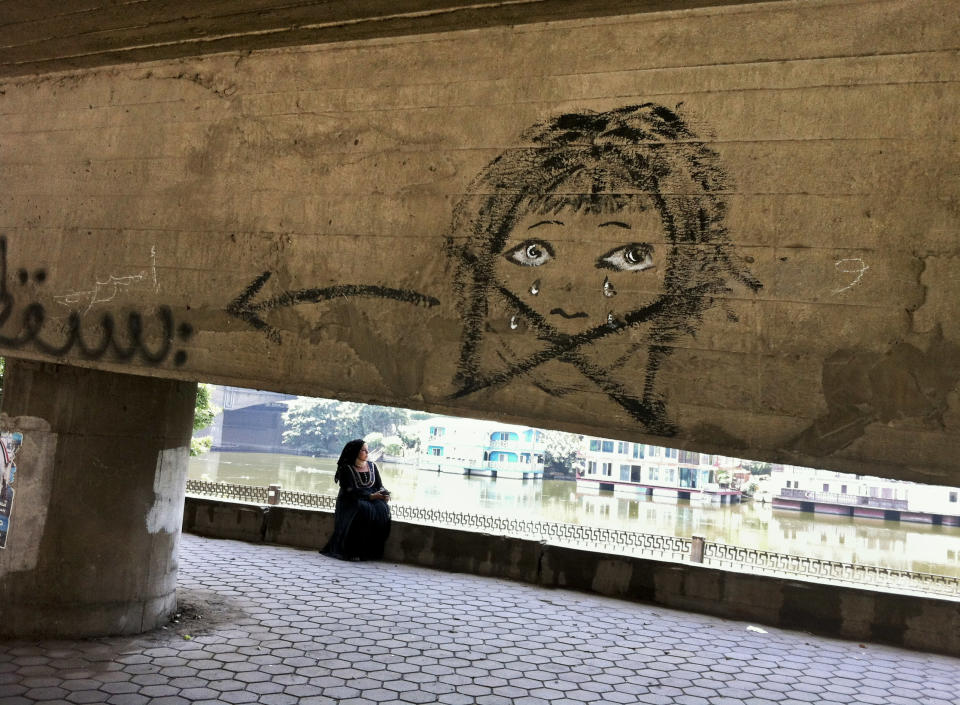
{"x": 205, "y": 411}
{"x": 314, "y": 426}
{"x": 199, "y": 446}
{"x": 409, "y": 438}
{"x": 374, "y": 440}
{"x": 757, "y": 468}
{"x": 562, "y": 455}
{"x": 323, "y": 426}
{"x": 380, "y": 419}
{"x": 203, "y": 415}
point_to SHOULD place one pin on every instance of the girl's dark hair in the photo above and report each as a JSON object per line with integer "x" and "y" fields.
{"x": 348, "y": 456}
{"x": 602, "y": 162}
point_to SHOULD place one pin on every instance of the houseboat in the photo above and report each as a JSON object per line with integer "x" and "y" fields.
{"x": 829, "y": 492}
{"x": 481, "y": 448}
{"x": 637, "y": 469}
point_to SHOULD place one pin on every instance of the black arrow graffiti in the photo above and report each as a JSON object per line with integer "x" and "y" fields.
{"x": 243, "y": 307}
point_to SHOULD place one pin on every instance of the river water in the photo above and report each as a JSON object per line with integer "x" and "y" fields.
{"x": 916, "y": 547}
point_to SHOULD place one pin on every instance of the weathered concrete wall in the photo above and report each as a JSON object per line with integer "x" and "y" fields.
{"x": 915, "y": 622}
{"x": 367, "y": 221}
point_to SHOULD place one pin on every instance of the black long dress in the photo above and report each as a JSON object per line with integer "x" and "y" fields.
{"x": 361, "y": 525}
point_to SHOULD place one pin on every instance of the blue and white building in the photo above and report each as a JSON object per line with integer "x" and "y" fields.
{"x": 637, "y": 469}
{"x": 484, "y": 448}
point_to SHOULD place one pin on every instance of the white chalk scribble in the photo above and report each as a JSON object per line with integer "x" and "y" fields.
{"x": 851, "y": 265}
{"x": 153, "y": 267}
{"x": 102, "y": 292}
{"x": 106, "y": 291}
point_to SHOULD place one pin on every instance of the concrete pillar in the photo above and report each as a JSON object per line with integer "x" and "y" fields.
{"x": 697, "y": 544}
{"x": 98, "y": 500}
{"x": 273, "y": 494}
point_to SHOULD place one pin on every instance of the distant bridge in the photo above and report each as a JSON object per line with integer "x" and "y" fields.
{"x": 251, "y": 419}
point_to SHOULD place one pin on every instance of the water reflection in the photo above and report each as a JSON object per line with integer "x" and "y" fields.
{"x": 916, "y": 547}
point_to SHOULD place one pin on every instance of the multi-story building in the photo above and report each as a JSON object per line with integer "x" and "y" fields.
{"x": 829, "y": 492}
{"x": 641, "y": 469}
{"x": 485, "y": 448}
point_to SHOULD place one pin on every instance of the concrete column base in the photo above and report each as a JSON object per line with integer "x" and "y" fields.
{"x": 98, "y": 500}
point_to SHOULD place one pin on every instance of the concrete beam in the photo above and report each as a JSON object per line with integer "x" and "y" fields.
{"x": 361, "y": 220}
{"x": 39, "y": 37}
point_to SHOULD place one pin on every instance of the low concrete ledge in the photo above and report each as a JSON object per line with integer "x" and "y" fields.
{"x": 915, "y": 622}
{"x": 223, "y": 519}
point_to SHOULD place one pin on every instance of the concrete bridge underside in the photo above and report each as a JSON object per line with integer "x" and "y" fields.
{"x": 719, "y": 226}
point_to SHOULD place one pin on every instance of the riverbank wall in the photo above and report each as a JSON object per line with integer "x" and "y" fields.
{"x": 916, "y": 622}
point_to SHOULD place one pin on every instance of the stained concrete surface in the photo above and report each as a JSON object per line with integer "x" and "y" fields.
{"x": 305, "y": 220}
{"x": 93, "y": 532}
{"x": 287, "y": 626}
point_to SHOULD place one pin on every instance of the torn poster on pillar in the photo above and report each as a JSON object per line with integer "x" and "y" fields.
{"x": 9, "y": 446}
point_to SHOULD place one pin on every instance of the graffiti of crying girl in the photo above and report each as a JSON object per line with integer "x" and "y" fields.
{"x": 597, "y": 248}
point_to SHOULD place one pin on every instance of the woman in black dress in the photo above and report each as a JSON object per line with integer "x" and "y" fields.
{"x": 362, "y": 519}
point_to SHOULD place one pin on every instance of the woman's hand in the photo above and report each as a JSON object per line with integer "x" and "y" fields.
{"x": 380, "y": 495}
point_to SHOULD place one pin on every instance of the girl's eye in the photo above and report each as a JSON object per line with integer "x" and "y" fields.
{"x": 530, "y": 253}
{"x": 634, "y": 257}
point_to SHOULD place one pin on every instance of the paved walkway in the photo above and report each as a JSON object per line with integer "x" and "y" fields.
{"x": 281, "y": 626}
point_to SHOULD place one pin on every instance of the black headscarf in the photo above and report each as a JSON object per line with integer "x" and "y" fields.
{"x": 348, "y": 456}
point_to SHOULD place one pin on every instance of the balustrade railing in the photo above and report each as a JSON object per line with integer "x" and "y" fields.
{"x": 515, "y": 466}
{"x": 617, "y": 541}
{"x": 845, "y": 499}
{"x": 723, "y": 555}
{"x": 237, "y": 493}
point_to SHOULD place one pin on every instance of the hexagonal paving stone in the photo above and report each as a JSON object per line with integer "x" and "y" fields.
{"x": 301, "y": 638}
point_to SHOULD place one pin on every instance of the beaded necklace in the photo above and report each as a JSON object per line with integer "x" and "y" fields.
{"x": 358, "y": 476}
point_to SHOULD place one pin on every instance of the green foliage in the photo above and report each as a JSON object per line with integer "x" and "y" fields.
{"x": 313, "y": 425}
{"x": 757, "y": 468}
{"x": 382, "y": 419}
{"x": 409, "y": 439}
{"x": 199, "y": 446}
{"x": 374, "y": 440}
{"x": 393, "y": 449}
{"x": 203, "y": 415}
{"x": 323, "y": 426}
{"x": 205, "y": 412}
{"x": 562, "y": 455}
